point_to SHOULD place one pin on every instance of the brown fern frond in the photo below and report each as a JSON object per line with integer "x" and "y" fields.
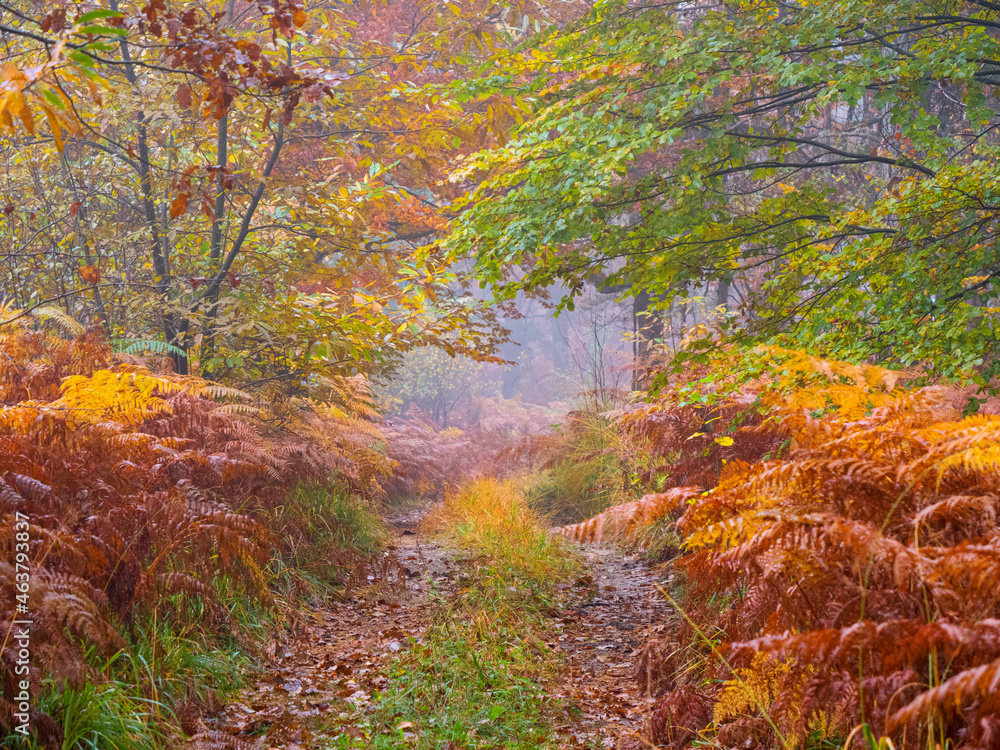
{"x": 967, "y": 687}
{"x": 627, "y": 518}
{"x": 869, "y": 554}
{"x": 57, "y": 314}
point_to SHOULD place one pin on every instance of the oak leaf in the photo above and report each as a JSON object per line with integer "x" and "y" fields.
{"x": 178, "y": 205}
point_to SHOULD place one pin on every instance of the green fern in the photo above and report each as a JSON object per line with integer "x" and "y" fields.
{"x": 142, "y": 346}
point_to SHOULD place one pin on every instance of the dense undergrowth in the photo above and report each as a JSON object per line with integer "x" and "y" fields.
{"x": 162, "y": 529}
{"x": 477, "y": 677}
{"x": 846, "y": 590}
{"x": 598, "y": 459}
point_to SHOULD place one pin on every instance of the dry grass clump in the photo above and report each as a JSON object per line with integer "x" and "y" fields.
{"x": 492, "y": 519}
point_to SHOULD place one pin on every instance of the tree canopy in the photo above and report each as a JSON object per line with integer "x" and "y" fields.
{"x": 827, "y": 169}
{"x": 244, "y": 185}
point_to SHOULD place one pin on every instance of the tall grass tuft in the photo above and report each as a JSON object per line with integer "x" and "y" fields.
{"x": 591, "y": 467}
{"x": 492, "y": 519}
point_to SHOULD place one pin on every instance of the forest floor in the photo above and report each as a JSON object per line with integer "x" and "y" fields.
{"x": 327, "y": 680}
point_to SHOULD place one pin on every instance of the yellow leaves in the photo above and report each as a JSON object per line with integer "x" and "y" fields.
{"x": 125, "y": 397}
{"x": 971, "y": 281}
{"x": 800, "y": 382}
{"x": 23, "y": 418}
{"x": 981, "y": 458}
{"x": 54, "y": 125}
{"x": 730, "y": 532}
{"x": 753, "y": 688}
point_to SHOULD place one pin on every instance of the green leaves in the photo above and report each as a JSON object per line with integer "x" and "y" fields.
{"x": 96, "y": 15}
{"x": 843, "y": 185}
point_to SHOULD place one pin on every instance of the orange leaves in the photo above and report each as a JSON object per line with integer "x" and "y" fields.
{"x": 12, "y": 101}
{"x": 178, "y": 205}
{"x": 90, "y": 274}
{"x": 27, "y": 87}
{"x": 872, "y": 549}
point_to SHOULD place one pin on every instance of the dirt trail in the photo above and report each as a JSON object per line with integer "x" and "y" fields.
{"x": 600, "y": 644}
{"x": 325, "y": 675}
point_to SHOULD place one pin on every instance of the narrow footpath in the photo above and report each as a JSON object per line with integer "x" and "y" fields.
{"x": 324, "y": 676}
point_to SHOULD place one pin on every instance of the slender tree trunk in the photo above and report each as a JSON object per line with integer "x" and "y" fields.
{"x": 649, "y": 328}
{"x": 174, "y": 329}
{"x": 722, "y": 293}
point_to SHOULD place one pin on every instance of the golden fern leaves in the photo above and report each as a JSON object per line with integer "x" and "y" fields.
{"x": 126, "y": 397}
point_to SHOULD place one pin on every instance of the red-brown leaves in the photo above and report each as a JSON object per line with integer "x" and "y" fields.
{"x": 54, "y": 21}
{"x": 184, "y": 98}
{"x": 125, "y": 513}
{"x": 221, "y": 64}
{"x": 178, "y": 205}
{"x": 869, "y": 559}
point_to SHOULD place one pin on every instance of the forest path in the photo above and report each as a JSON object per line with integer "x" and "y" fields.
{"x": 323, "y": 678}
{"x": 600, "y": 645}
